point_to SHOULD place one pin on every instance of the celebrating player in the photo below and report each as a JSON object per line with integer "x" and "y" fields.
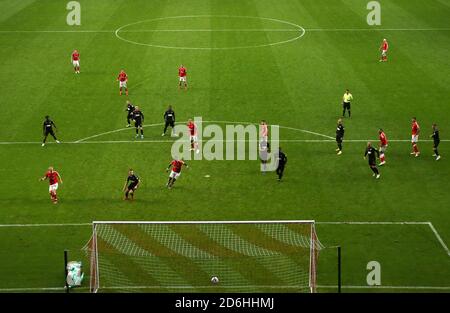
{"x": 76, "y": 61}
{"x": 372, "y": 153}
{"x": 175, "y": 172}
{"x": 138, "y": 118}
{"x": 169, "y": 120}
{"x": 383, "y": 146}
{"x": 193, "y": 135}
{"x": 182, "y": 77}
{"x": 48, "y": 129}
{"x": 282, "y": 160}
{"x": 53, "y": 178}
{"x": 346, "y": 103}
{"x": 415, "y": 130}
{"x": 436, "y": 140}
{"x": 130, "y": 110}
{"x": 123, "y": 80}
{"x": 384, "y": 48}
{"x": 339, "y": 136}
{"x": 133, "y": 182}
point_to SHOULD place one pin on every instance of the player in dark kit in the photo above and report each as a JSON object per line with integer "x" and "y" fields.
{"x": 339, "y": 136}
{"x": 138, "y": 118}
{"x": 373, "y": 154}
{"x": 436, "y": 141}
{"x": 133, "y": 182}
{"x": 129, "y": 110}
{"x": 47, "y": 128}
{"x": 282, "y": 160}
{"x": 169, "y": 120}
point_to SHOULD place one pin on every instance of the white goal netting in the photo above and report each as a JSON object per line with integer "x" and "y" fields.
{"x": 263, "y": 256}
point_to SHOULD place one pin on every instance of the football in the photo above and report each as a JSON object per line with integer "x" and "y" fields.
{"x": 214, "y": 280}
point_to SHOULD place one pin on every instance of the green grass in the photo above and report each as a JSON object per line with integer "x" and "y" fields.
{"x": 298, "y": 84}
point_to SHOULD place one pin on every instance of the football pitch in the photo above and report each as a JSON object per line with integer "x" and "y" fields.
{"x": 287, "y": 62}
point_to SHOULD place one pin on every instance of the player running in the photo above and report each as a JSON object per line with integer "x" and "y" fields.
{"x": 175, "y": 172}
{"x": 182, "y": 77}
{"x": 76, "y": 61}
{"x": 130, "y": 109}
{"x": 48, "y": 129}
{"x": 133, "y": 182}
{"x": 193, "y": 135}
{"x": 340, "y": 130}
{"x": 138, "y": 118}
{"x": 169, "y": 120}
{"x": 383, "y": 146}
{"x": 346, "y": 99}
{"x": 372, "y": 153}
{"x": 384, "y": 48}
{"x": 415, "y": 130}
{"x": 436, "y": 141}
{"x": 123, "y": 80}
{"x": 53, "y": 178}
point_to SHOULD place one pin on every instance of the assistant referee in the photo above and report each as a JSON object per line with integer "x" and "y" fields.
{"x": 346, "y": 99}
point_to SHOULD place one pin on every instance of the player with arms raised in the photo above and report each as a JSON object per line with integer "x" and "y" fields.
{"x": 383, "y": 146}
{"x": 53, "y": 178}
{"x": 384, "y": 48}
{"x": 175, "y": 172}
{"x": 123, "y": 80}
{"x": 76, "y": 61}
{"x": 193, "y": 135}
{"x": 182, "y": 77}
{"x": 415, "y": 130}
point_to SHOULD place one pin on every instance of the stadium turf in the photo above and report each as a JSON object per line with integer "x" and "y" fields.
{"x": 296, "y": 83}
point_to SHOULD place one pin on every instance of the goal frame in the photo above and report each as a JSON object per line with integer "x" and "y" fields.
{"x": 94, "y": 269}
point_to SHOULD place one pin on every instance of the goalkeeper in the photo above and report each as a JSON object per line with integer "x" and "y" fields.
{"x": 75, "y": 274}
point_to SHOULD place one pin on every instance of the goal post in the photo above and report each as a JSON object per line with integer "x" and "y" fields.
{"x": 203, "y": 256}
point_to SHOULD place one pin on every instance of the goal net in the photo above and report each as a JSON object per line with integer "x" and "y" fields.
{"x": 240, "y": 256}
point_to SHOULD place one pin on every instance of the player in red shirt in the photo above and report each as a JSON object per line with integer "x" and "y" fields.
{"x": 53, "y": 178}
{"x": 123, "y": 80}
{"x": 263, "y": 131}
{"x": 384, "y": 48}
{"x": 182, "y": 77}
{"x": 193, "y": 135}
{"x": 175, "y": 172}
{"x": 415, "y": 130}
{"x": 76, "y": 61}
{"x": 383, "y": 146}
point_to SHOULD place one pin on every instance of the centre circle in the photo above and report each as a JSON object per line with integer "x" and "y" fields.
{"x": 254, "y": 32}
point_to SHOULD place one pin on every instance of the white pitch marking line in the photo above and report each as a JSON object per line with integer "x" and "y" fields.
{"x": 5, "y": 143}
{"x": 45, "y": 225}
{"x": 235, "y": 287}
{"x": 374, "y": 223}
{"x": 439, "y": 238}
{"x": 224, "y": 30}
{"x": 373, "y": 29}
{"x": 387, "y": 287}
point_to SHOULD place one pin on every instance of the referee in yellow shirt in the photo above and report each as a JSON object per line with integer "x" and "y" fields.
{"x": 346, "y": 99}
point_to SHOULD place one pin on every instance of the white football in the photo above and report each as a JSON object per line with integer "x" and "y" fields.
{"x": 214, "y": 280}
